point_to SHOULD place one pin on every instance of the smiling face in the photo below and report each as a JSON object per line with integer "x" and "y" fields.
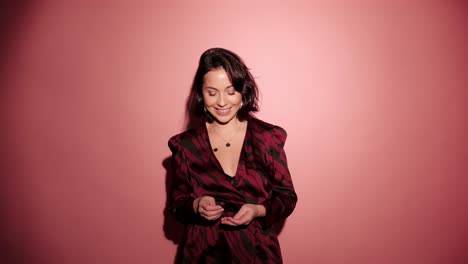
{"x": 220, "y": 98}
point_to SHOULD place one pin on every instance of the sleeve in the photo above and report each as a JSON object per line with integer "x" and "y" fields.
{"x": 282, "y": 201}
{"x": 181, "y": 195}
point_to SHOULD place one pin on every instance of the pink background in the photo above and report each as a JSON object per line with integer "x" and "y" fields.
{"x": 372, "y": 94}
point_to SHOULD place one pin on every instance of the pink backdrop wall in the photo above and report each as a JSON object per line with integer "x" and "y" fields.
{"x": 372, "y": 94}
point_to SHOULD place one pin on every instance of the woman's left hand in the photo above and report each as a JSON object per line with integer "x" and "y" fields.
{"x": 245, "y": 215}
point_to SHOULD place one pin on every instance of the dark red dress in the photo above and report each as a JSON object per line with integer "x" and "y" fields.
{"x": 262, "y": 178}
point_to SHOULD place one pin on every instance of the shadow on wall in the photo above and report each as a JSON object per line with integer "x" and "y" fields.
{"x": 16, "y": 229}
{"x": 13, "y": 17}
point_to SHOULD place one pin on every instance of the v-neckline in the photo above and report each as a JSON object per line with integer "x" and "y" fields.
{"x": 216, "y": 160}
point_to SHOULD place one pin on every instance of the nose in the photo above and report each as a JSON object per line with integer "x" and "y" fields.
{"x": 221, "y": 101}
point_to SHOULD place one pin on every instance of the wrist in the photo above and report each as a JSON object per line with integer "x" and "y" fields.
{"x": 261, "y": 210}
{"x": 195, "y": 205}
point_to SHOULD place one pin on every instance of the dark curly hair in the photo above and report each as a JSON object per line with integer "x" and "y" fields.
{"x": 239, "y": 75}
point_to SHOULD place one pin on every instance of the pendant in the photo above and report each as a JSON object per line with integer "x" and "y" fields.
{"x": 228, "y": 144}
{"x": 215, "y": 149}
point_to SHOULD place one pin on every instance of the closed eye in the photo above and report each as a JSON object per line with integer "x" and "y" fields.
{"x": 231, "y": 91}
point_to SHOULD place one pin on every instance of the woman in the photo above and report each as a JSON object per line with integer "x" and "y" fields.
{"x": 231, "y": 177}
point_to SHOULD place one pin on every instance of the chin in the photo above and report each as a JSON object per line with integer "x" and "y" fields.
{"x": 223, "y": 119}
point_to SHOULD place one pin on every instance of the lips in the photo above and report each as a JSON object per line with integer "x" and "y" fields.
{"x": 223, "y": 112}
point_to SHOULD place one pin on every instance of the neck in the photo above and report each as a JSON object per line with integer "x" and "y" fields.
{"x": 229, "y": 126}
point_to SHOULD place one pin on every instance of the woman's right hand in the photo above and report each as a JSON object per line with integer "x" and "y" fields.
{"x": 206, "y": 207}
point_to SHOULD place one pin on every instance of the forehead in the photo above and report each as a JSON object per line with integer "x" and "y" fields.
{"x": 217, "y": 78}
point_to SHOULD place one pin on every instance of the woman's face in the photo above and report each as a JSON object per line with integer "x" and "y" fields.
{"x": 220, "y": 97}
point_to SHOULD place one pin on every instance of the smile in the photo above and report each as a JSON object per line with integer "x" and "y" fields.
{"x": 223, "y": 112}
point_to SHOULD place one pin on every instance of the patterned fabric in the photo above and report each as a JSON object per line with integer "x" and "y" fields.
{"x": 262, "y": 178}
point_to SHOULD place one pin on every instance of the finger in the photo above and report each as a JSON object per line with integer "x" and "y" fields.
{"x": 213, "y": 217}
{"x": 212, "y": 213}
{"x": 234, "y": 221}
{"x": 205, "y": 205}
{"x": 208, "y": 200}
{"x": 213, "y": 208}
{"x": 210, "y": 208}
{"x": 202, "y": 204}
{"x": 228, "y": 221}
{"x": 240, "y": 214}
{"x": 242, "y": 219}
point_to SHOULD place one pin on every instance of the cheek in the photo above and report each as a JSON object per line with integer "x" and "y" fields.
{"x": 208, "y": 100}
{"x": 237, "y": 100}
